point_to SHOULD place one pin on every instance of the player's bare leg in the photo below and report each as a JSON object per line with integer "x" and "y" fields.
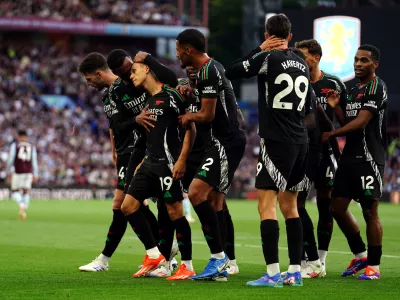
{"x": 374, "y": 236}
{"x": 325, "y": 223}
{"x": 24, "y": 204}
{"x": 131, "y": 210}
{"x": 348, "y": 224}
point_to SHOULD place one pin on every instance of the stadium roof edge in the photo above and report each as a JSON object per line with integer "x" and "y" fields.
{"x": 95, "y": 27}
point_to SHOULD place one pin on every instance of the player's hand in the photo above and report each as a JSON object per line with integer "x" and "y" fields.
{"x": 8, "y": 179}
{"x": 333, "y": 98}
{"x": 35, "y": 179}
{"x": 145, "y": 120}
{"x": 185, "y": 90}
{"x": 179, "y": 169}
{"x": 271, "y": 43}
{"x": 140, "y": 57}
{"x": 325, "y": 136}
{"x": 184, "y": 120}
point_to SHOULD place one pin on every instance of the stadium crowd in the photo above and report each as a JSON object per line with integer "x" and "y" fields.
{"x": 117, "y": 11}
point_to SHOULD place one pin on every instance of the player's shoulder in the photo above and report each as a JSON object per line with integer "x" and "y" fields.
{"x": 173, "y": 93}
{"x": 331, "y": 77}
{"x": 208, "y": 71}
{"x": 375, "y": 87}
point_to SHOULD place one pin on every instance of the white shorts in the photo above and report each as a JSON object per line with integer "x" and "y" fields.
{"x": 21, "y": 181}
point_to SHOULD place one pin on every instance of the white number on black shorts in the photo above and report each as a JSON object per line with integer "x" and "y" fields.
{"x": 121, "y": 173}
{"x": 167, "y": 181}
{"x": 259, "y": 168}
{"x": 367, "y": 182}
{"x": 209, "y": 162}
{"x": 277, "y": 103}
{"x": 329, "y": 173}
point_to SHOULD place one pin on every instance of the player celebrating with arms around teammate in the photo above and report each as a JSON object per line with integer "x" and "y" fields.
{"x": 284, "y": 100}
{"x": 218, "y": 112}
{"x": 360, "y": 172}
{"x": 160, "y": 172}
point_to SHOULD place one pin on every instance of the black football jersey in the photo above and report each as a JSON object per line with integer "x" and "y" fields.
{"x": 213, "y": 84}
{"x": 325, "y": 84}
{"x": 283, "y": 93}
{"x": 164, "y": 140}
{"x": 368, "y": 144}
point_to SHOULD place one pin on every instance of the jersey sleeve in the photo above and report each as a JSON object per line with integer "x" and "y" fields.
{"x": 311, "y": 101}
{"x": 11, "y": 157}
{"x": 177, "y": 102}
{"x": 342, "y": 90}
{"x": 375, "y": 97}
{"x": 163, "y": 73}
{"x": 248, "y": 68}
{"x": 35, "y": 167}
{"x": 208, "y": 82}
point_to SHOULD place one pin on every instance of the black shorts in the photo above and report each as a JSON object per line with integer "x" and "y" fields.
{"x": 219, "y": 163}
{"x": 192, "y": 164}
{"x": 281, "y": 166}
{"x": 154, "y": 179}
{"x": 122, "y": 165}
{"x": 135, "y": 159}
{"x": 326, "y": 172}
{"x": 313, "y": 162}
{"x": 359, "y": 181}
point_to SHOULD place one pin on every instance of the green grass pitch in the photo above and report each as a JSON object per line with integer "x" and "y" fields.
{"x": 39, "y": 258}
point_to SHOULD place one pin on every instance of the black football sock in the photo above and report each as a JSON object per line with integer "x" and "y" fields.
{"x": 230, "y": 236}
{"x": 310, "y": 246}
{"x": 166, "y": 232}
{"x": 325, "y": 223}
{"x": 209, "y": 224}
{"x": 222, "y": 227}
{"x": 355, "y": 242}
{"x": 270, "y": 239}
{"x": 294, "y": 231}
{"x": 142, "y": 229}
{"x": 151, "y": 218}
{"x": 184, "y": 238}
{"x": 374, "y": 255}
{"x": 115, "y": 232}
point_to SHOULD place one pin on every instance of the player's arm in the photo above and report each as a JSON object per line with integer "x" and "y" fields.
{"x": 241, "y": 119}
{"x": 326, "y": 126}
{"x": 333, "y": 99}
{"x": 180, "y": 166}
{"x": 114, "y": 153}
{"x": 208, "y": 88}
{"x": 35, "y": 166}
{"x": 310, "y": 121}
{"x": 11, "y": 157}
{"x": 373, "y": 102}
{"x": 163, "y": 73}
{"x": 247, "y": 68}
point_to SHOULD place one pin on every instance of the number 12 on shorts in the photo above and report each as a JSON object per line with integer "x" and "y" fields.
{"x": 367, "y": 182}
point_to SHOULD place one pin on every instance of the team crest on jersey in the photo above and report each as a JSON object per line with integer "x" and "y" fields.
{"x": 339, "y": 37}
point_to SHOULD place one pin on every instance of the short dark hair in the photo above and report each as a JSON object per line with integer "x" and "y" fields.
{"x": 93, "y": 62}
{"x": 298, "y": 52}
{"x": 116, "y": 58}
{"x": 278, "y": 25}
{"x": 22, "y": 132}
{"x": 312, "y": 46}
{"x": 375, "y": 54}
{"x": 194, "y": 38}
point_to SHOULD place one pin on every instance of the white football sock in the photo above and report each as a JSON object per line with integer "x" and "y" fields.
{"x": 153, "y": 252}
{"x": 273, "y": 269}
